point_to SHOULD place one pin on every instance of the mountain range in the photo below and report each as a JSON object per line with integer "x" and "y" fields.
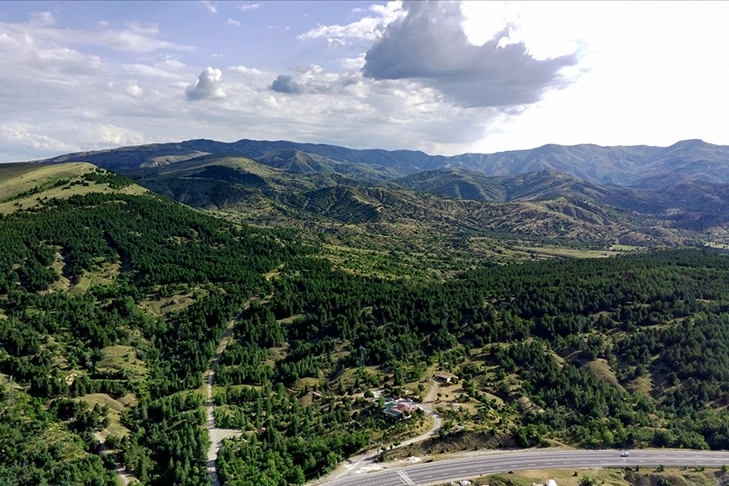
{"x": 638, "y": 195}
{"x": 639, "y": 166}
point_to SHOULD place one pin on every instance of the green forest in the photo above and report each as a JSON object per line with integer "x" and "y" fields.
{"x": 112, "y": 305}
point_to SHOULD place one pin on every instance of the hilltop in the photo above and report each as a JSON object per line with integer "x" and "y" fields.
{"x": 24, "y": 185}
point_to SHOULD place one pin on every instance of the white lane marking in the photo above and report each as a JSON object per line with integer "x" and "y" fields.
{"x": 404, "y": 476}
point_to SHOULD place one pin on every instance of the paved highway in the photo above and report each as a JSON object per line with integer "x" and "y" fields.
{"x": 455, "y": 469}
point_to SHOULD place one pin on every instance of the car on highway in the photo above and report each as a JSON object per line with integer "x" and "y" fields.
{"x": 625, "y": 454}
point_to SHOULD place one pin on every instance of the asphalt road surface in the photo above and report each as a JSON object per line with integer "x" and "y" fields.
{"x": 455, "y": 469}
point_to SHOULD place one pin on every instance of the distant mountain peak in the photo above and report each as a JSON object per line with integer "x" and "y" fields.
{"x": 689, "y": 142}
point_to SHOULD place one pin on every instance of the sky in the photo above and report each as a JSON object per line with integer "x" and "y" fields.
{"x": 441, "y": 77}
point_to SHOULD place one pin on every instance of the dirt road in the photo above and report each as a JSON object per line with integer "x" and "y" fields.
{"x": 217, "y": 434}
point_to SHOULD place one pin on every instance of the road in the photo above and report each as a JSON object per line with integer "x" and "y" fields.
{"x": 455, "y": 469}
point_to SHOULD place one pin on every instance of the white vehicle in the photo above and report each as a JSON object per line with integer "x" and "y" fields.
{"x": 625, "y": 454}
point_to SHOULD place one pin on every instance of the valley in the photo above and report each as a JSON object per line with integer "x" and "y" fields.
{"x": 532, "y": 310}
{"x": 433, "y": 222}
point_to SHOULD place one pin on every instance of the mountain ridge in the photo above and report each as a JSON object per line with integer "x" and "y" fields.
{"x": 639, "y": 166}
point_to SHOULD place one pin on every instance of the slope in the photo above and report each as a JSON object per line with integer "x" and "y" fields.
{"x": 586, "y": 213}
{"x": 79, "y": 364}
{"x": 23, "y": 185}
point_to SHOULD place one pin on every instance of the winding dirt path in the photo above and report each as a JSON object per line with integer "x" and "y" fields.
{"x": 122, "y": 474}
{"x": 217, "y": 434}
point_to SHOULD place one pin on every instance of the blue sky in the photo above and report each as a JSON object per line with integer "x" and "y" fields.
{"x": 442, "y": 77}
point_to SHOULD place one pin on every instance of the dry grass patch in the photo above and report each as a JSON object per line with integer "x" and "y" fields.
{"x": 623, "y": 248}
{"x": 273, "y": 273}
{"x": 568, "y": 252}
{"x": 642, "y": 385}
{"x": 309, "y": 382}
{"x": 452, "y": 443}
{"x": 291, "y": 319}
{"x": 128, "y": 400}
{"x": 602, "y": 370}
{"x": 19, "y": 178}
{"x": 115, "y": 409}
{"x": 563, "y": 477}
{"x": 104, "y": 276}
{"x": 494, "y": 399}
{"x": 162, "y": 305}
{"x": 63, "y": 283}
{"x": 448, "y": 392}
{"x": 120, "y": 357}
{"x": 103, "y": 399}
{"x": 606, "y": 476}
{"x": 278, "y": 353}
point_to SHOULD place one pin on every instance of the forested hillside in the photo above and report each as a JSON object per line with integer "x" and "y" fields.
{"x": 76, "y": 276}
{"x": 112, "y": 304}
{"x": 628, "y": 352}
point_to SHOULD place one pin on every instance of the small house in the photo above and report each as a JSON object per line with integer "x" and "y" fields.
{"x": 399, "y": 409}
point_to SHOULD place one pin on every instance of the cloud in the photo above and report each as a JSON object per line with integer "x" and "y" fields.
{"x": 368, "y": 28}
{"x": 42, "y": 19}
{"x": 429, "y": 45}
{"x": 315, "y": 80}
{"x": 286, "y": 84}
{"x": 353, "y": 62}
{"x": 138, "y": 28}
{"x": 246, "y": 70}
{"x": 207, "y": 86}
{"x": 348, "y": 109}
{"x": 23, "y": 137}
{"x": 212, "y": 8}
{"x": 250, "y": 6}
{"x": 138, "y": 38}
{"x": 134, "y": 90}
{"x": 233, "y": 22}
{"x": 44, "y": 139}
